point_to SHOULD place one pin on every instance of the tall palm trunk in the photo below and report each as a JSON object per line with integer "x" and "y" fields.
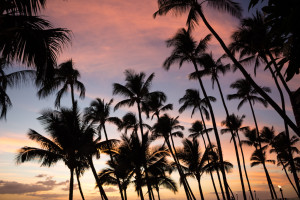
{"x": 111, "y": 158}
{"x": 215, "y": 130}
{"x": 287, "y": 175}
{"x": 244, "y": 165}
{"x": 157, "y": 190}
{"x": 200, "y": 188}
{"x": 150, "y": 193}
{"x": 291, "y": 160}
{"x": 188, "y": 195}
{"x": 271, "y": 187}
{"x": 79, "y": 185}
{"x": 72, "y": 96}
{"x": 210, "y": 172}
{"x": 234, "y": 142}
{"x": 220, "y": 183}
{"x": 71, "y": 184}
{"x": 247, "y": 76}
{"x": 101, "y": 190}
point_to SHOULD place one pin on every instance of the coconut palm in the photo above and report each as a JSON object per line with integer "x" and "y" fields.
{"x": 187, "y": 50}
{"x": 62, "y": 145}
{"x": 254, "y": 41}
{"x": 65, "y": 78}
{"x": 196, "y": 13}
{"x": 29, "y": 39}
{"x": 212, "y": 68}
{"x": 136, "y": 153}
{"x": 156, "y": 106}
{"x": 164, "y": 127}
{"x": 194, "y": 161}
{"x": 99, "y": 112}
{"x": 258, "y": 157}
{"x": 233, "y": 124}
{"x": 10, "y": 80}
{"x": 136, "y": 90}
{"x": 253, "y": 139}
{"x": 280, "y": 147}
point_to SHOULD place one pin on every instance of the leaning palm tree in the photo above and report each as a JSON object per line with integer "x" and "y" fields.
{"x": 10, "y": 80}
{"x": 279, "y": 145}
{"x": 194, "y": 7}
{"x": 62, "y": 144}
{"x": 65, "y": 78}
{"x": 232, "y": 127}
{"x": 255, "y": 43}
{"x": 194, "y": 161}
{"x": 253, "y": 139}
{"x": 186, "y": 49}
{"x": 98, "y": 113}
{"x": 258, "y": 157}
{"x": 29, "y": 39}
{"x": 164, "y": 128}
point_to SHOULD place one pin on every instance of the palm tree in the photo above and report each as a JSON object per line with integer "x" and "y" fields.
{"x": 29, "y": 39}
{"x": 233, "y": 124}
{"x": 194, "y": 161}
{"x": 129, "y": 121}
{"x": 135, "y": 154}
{"x": 99, "y": 112}
{"x": 136, "y": 90}
{"x": 65, "y": 76}
{"x": 187, "y": 50}
{"x": 258, "y": 157}
{"x": 254, "y": 40}
{"x": 253, "y": 139}
{"x": 62, "y": 144}
{"x": 10, "y": 80}
{"x": 280, "y": 147}
{"x": 164, "y": 128}
{"x": 156, "y": 106}
{"x": 195, "y": 14}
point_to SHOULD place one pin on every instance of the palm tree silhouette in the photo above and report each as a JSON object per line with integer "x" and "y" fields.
{"x": 279, "y": 146}
{"x": 29, "y": 39}
{"x": 164, "y": 127}
{"x": 254, "y": 40}
{"x": 156, "y": 106}
{"x": 194, "y": 161}
{"x": 234, "y": 123}
{"x": 258, "y": 157}
{"x": 65, "y": 77}
{"x": 99, "y": 112}
{"x": 8, "y": 81}
{"x": 62, "y": 145}
{"x": 187, "y": 50}
{"x": 195, "y": 14}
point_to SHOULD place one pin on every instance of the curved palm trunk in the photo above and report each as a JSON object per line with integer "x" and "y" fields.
{"x": 150, "y": 192}
{"x": 234, "y": 142}
{"x": 79, "y": 185}
{"x": 215, "y": 130}
{"x": 125, "y": 193}
{"x": 200, "y": 188}
{"x": 210, "y": 172}
{"x": 271, "y": 187}
{"x": 287, "y": 175}
{"x": 188, "y": 195}
{"x": 71, "y": 184}
{"x": 220, "y": 183}
{"x": 101, "y": 190}
{"x": 247, "y": 76}
{"x": 291, "y": 160}
{"x": 72, "y": 96}
{"x": 246, "y": 174}
{"x": 111, "y": 158}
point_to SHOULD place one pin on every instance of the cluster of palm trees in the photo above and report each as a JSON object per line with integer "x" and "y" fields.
{"x": 76, "y": 138}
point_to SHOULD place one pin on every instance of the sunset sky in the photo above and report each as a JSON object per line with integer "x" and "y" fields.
{"x": 108, "y": 37}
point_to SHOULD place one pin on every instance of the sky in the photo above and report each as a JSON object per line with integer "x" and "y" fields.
{"x": 108, "y": 37}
